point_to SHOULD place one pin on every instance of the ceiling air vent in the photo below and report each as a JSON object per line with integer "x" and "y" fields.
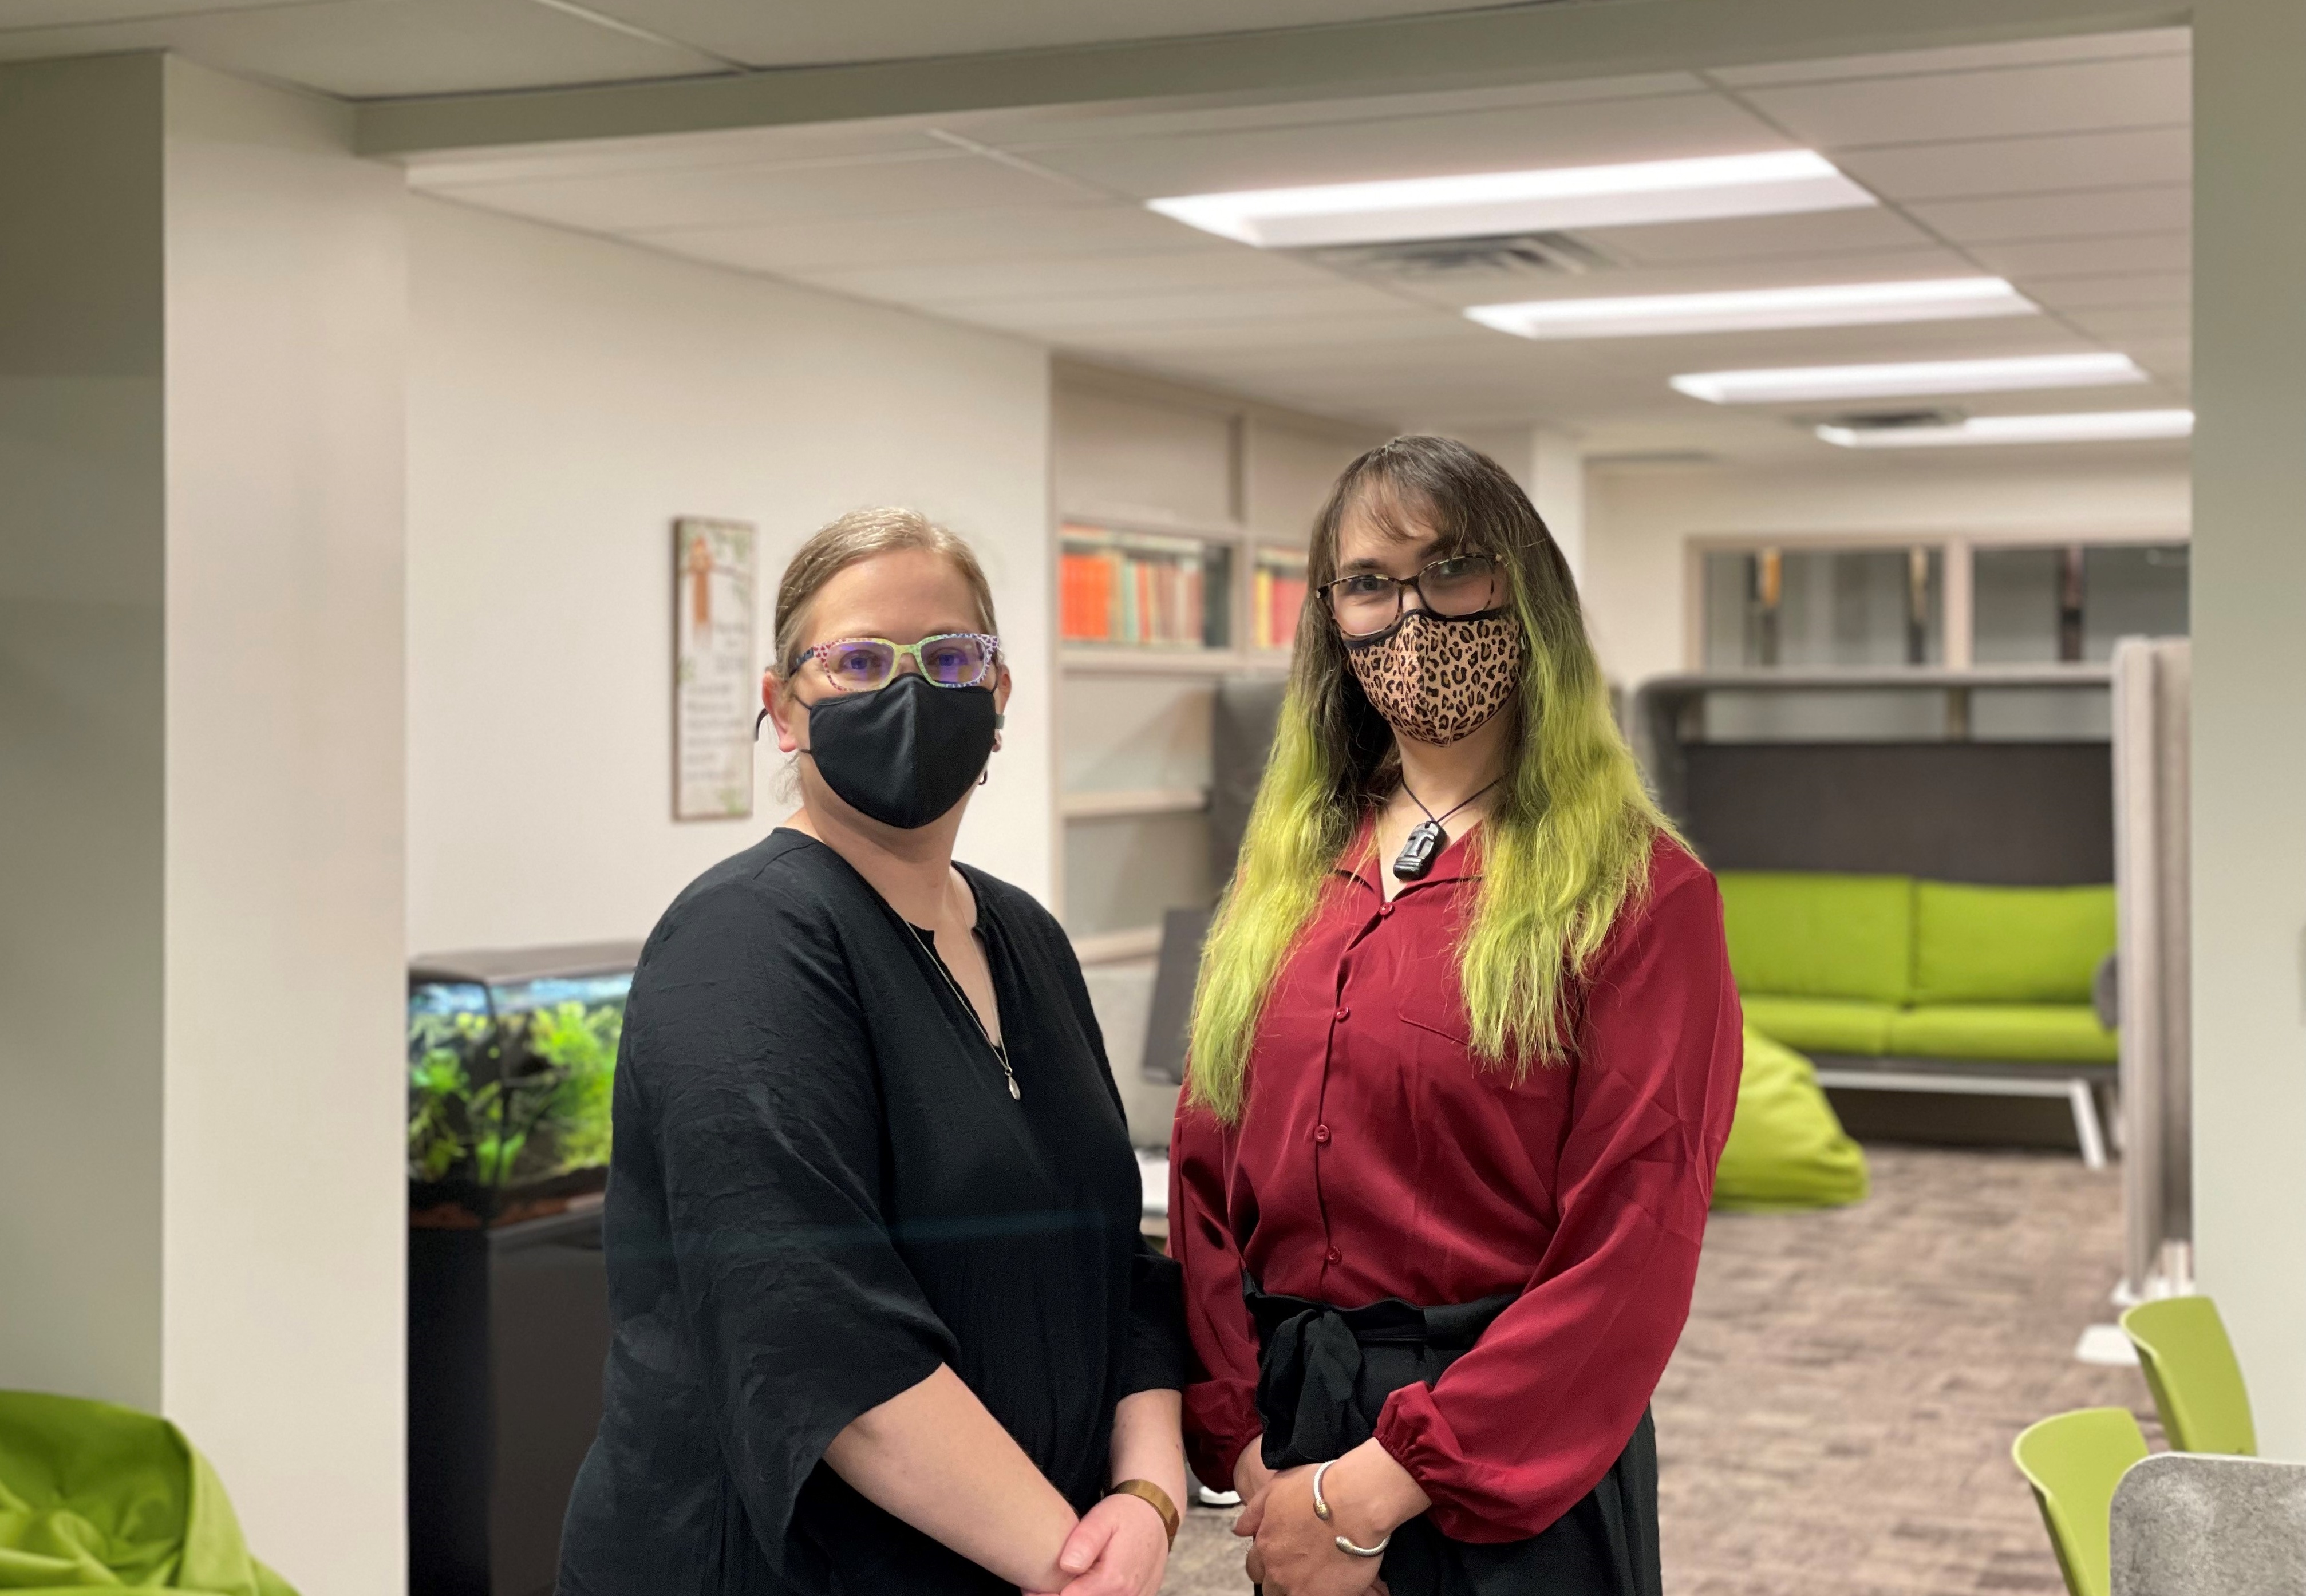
{"x": 1891, "y": 421}
{"x": 1496, "y": 256}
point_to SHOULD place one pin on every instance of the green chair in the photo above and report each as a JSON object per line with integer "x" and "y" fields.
{"x": 2191, "y": 1368}
{"x": 2073, "y": 1461}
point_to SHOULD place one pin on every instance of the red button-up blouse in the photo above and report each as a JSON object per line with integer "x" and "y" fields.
{"x": 1375, "y": 1157}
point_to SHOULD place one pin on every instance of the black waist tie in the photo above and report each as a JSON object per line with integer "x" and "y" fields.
{"x": 1324, "y": 1374}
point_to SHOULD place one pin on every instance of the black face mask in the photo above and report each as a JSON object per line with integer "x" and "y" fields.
{"x": 904, "y": 754}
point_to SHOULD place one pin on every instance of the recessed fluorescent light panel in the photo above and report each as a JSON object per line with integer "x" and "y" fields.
{"x": 1752, "y": 310}
{"x": 1773, "y": 182}
{"x": 2088, "y": 427}
{"x": 1794, "y": 385}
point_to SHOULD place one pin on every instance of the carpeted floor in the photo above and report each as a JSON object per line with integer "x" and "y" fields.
{"x": 1839, "y": 1416}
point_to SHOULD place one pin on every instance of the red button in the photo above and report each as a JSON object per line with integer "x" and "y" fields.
{"x": 1384, "y": 909}
{"x": 1343, "y": 1013}
{"x": 1321, "y": 1134}
{"x": 1335, "y": 1257}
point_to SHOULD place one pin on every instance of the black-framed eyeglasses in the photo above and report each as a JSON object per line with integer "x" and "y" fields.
{"x": 948, "y": 660}
{"x": 1367, "y": 602}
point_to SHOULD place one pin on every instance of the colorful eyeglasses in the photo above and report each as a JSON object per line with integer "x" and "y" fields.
{"x": 947, "y": 660}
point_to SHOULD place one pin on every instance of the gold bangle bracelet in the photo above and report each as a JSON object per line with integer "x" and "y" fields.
{"x": 1145, "y": 1491}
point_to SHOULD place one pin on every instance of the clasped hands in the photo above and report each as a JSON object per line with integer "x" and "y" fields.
{"x": 1119, "y": 1548}
{"x": 1293, "y": 1551}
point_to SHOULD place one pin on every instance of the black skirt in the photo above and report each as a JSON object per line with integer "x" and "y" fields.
{"x": 1324, "y": 1374}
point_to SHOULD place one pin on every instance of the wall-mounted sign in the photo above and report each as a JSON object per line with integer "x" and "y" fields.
{"x": 716, "y": 674}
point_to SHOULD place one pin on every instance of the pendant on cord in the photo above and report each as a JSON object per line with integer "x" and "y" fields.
{"x": 1426, "y": 839}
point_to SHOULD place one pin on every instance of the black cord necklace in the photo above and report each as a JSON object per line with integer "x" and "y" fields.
{"x": 1427, "y": 839}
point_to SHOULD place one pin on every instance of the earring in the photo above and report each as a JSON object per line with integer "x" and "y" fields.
{"x": 756, "y": 724}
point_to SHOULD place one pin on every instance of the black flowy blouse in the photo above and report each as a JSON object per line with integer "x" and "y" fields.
{"x": 821, "y": 1189}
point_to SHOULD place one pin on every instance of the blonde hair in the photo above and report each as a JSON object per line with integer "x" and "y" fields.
{"x": 856, "y": 537}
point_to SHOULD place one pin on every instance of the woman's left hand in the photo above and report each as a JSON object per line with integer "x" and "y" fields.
{"x": 1297, "y": 1554}
{"x": 1120, "y": 1548}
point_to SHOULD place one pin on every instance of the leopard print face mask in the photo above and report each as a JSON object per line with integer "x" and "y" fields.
{"x": 1437, "y": 681}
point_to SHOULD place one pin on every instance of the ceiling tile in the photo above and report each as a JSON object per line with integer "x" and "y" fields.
{"x": 363, "y": 48}
{"x": 1071, "y": 124}
{"x": 1411, "y": 146}
{"x": 2044, "y": 164}
{"x": 735, "y": 196}
{"x": 2096, "y": 213}
{"x": 1758, "y": 238}
{"x": 2031, "y": 52}
{"x": 1117, "y": 311}
{"x": 2118, "y": 290}
{"x": 798, "y": 32}
{"x": 2148, "y": 91}
{"x": 2139, "y": 323}
{"x": 961, "y": 282}
{"x": 960, "y": 235}
{"x": 2076, "y": 256}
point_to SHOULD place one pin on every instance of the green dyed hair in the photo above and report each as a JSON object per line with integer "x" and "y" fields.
{"x": 1568, "y": 837}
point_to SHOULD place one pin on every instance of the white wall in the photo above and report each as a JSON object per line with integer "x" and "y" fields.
{"x": 80, "y": 695}
{"x": 285, "y": 1218}
{"x": 568, "y": 398}
{"x": 1638, "y": 525}
{"x": 2250, "y": 682}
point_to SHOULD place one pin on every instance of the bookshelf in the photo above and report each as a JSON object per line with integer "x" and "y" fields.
{"x": 1178, "y": 537}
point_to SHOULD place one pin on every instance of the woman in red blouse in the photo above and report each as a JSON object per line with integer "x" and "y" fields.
{"x": 1463, "y": 1057}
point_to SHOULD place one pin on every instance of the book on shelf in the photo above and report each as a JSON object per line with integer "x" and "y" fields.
{"x": 1278, "y": 597}
{"x": 1116, "y": 595}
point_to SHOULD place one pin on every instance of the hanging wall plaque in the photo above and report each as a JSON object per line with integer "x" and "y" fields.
{"x": 716, "y": 673}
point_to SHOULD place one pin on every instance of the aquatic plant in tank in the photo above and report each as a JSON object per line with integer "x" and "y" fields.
{"x": 510, "y": 1087}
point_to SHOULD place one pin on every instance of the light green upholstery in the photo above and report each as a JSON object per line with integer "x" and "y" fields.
{"x": 1806, "y": 933}
{"x": 1787, "y": 1150}
{"x": 2009, "y": 944}
{"x": 2037, "y": 1033}
{"x": 1870, "y": 966}
{"x": 1820, "y": 1024}
{"x": 96, "y": 1496}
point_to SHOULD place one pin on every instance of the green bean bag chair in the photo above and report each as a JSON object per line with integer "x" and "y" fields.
{"x": 1787, "y": 1150}
{"x": 94, "y": 1496}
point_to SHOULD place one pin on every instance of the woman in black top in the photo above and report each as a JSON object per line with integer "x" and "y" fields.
{"x": 883, "y": 1321}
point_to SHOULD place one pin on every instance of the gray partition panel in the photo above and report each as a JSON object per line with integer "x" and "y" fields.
{"x": 2013, "y": 813}
{"x": 2185, "y": 1525}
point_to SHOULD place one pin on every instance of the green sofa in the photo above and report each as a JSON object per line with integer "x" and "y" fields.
{"x": 1891, "y": 983}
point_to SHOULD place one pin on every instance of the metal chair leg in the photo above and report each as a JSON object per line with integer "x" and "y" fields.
{"x": 2087, "y": 1130}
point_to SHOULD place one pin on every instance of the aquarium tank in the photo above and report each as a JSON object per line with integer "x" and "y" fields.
{"x": 511, "y": 1054}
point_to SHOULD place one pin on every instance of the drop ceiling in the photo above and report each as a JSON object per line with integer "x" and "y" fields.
{"x": 2062, "y": 164}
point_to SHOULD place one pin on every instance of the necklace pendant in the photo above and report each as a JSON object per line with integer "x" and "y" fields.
{"x": 1417, "y": 854}
{"x": 1013, "y": 1092}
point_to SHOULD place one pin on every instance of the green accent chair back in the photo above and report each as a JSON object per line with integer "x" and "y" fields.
{"x": 2189, "y": 1367}
{"x": 2073, "y": 1461}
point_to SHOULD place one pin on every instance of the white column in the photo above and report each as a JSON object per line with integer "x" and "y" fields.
{"x": 201, "y": 930}
{"x": 285, "y": 1215}
{"x": 2249, "y": 694}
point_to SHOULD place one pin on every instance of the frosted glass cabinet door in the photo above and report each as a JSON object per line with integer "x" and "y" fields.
{"x": 1825, "y": 608}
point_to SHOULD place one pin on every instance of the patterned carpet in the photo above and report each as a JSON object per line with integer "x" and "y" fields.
{"x": 1839, "y": 1417}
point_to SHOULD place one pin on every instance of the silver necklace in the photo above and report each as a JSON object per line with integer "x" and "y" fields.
{"x": 967, "y": 1008}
